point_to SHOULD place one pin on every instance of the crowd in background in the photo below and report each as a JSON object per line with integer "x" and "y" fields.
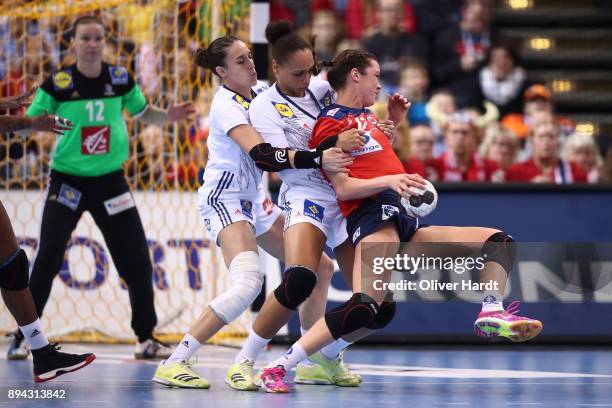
{"x": 475, "y": 114}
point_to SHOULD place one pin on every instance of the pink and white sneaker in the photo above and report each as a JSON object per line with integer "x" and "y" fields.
{"x": 271, "y": 379}
{"x": 505, "y": 323}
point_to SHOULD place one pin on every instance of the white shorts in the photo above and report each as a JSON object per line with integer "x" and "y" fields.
{"x": 322, "y": 213}
{"x": 222, "y": 205}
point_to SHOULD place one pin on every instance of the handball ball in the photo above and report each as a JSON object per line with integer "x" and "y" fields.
{"x": 423, "y": 203}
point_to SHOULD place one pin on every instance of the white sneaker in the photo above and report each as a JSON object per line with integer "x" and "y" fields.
{"x": 152, "y": 349}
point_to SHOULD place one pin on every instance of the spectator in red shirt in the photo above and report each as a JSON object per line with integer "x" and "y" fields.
{"x": 461, "y": 162}
{"x": 362, "y": 17}
{"x": 500, "y": 145}
{"x": 537, "y": 99}
{"x": 421, "y": 159}
{"x": 583, "y": 150}
{"x": 545, "y": 165}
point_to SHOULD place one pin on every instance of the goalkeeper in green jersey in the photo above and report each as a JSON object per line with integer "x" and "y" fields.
{"x": 87, "y": 175}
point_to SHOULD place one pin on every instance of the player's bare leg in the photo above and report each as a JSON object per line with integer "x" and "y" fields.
{"x": 320, "y": 335}
{"x": 493, "y": 320}
{"x": 48, "y": 361}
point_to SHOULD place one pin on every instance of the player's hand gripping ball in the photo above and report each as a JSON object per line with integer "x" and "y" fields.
{"x": 423, "y": 202}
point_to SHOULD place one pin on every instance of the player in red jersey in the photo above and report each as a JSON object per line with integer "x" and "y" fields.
{"x": 369, "y": 196}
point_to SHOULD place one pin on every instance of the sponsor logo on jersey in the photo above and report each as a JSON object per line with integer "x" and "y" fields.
{"x": 327, "y": 99}
{"x": 332, "y": 112}
{"x": 370, "y": 146}
{"x": 119, "y": 75}
{"x": 69, "y": 196}
{"x": 389, "y": 211}
{"x": 284, "y": 110}
{"x": 62, "y": 80}
{"x": 108, "y": 90}
{"x": 313, "y": 210}
{"x": 119, "y": 203}
{"x": 242, "y": 102}
{"x": 247, "y": 208}
{"x": 356, "y": 234}
{"x": 95, "y": 140}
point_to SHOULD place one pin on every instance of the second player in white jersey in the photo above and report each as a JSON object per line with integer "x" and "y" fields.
{"x": 287, "y": 121}
{"x": 284, "y": 115}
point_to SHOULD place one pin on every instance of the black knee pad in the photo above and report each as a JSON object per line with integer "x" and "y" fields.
{"x": 298, "y": 283}
{"x": 14, "y": 273}
{"x": 385, "y": 314}
{"x": 500, "y": 248}
{"x": 358, "y": 312}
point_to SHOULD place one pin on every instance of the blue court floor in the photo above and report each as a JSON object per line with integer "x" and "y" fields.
{"x": 409, "y": 377}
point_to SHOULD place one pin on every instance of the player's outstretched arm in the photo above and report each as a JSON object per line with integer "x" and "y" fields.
{"x": 269, "y": 158}
{"x": 176, "y": 113}
{"x": 19, "y": 101}
{"x": 350, "y": 188}
{"x": 43, "y": 123}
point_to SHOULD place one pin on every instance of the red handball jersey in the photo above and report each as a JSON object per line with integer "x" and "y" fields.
{"x": 376, "y": 158}
{"x": 563, "y": 173}
{"x": 479, "y": 169}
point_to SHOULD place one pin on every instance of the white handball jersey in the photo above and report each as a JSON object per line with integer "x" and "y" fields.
{"x": 228, "y": 110}
{"x": 287, "y": 121}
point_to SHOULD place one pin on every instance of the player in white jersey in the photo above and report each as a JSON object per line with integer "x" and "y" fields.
{"x": 232, "y": 201}
{"x": 284, "y": 115}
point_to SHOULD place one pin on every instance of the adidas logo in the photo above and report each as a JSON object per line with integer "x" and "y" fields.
{"x": 75, "y": 94}
{"x": 237, "y": 377}
{"x": 185, "y": 343}
{"x": 185, "y": 377}
{"x": 34, "y": 333}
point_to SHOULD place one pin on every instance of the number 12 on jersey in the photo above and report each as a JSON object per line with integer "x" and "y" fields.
{"x": 95, "y": 110}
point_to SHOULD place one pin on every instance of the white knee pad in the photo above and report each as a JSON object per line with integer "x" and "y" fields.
{"x": 246, "y": 282}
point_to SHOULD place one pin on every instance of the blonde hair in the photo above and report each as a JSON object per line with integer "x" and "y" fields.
{"x": 579, "y": 140}
{"x": 492, "y": 133}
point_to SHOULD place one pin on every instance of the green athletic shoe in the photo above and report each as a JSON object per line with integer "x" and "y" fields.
{"x": 240, "y": 376}
{"x": 179, "y": 375}
{"x": 327, "y": 371}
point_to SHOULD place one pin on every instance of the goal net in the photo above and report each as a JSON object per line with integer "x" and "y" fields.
{"x": 155, "y": 41}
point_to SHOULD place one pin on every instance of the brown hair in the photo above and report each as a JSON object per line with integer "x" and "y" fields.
{"x": 344, "y": 62}
{"x": 214, "y": 56}
{"x": 86, "y": 20}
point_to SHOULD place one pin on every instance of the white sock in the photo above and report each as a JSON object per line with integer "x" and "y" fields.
{"x": 291, "y": 358}
{"x": 185, "y": 349}
{"x": 34, "y": 335}
{"x": 253, "y": 345}
{"x": 307, "y": 361}
{"x": 492, "y": 300}
{"x": 332, "y": 350}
